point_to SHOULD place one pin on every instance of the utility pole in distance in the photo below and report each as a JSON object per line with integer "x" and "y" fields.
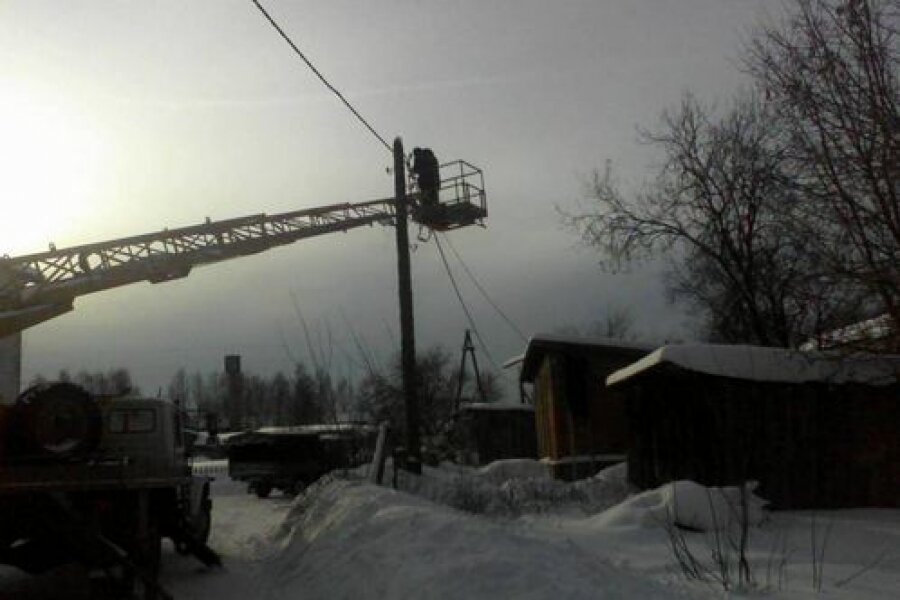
{"x": 407, "y": 323}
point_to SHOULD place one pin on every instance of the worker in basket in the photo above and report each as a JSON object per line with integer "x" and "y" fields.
{"x": 427, "y": 171}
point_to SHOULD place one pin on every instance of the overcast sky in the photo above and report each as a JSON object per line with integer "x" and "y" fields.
{"x": 119, "y": 118}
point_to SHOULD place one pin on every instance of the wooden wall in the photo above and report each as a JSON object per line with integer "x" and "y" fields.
{"x": 576, "y": 416}
{"x": 809, "y": 445}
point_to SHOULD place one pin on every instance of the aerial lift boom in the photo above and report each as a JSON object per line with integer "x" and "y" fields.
{"x": 37, "y": 287}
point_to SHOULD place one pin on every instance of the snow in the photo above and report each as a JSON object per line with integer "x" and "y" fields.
{"x": 496, "y": 406}
{"x": 600, "y": 342}
{"x": 685, "y": 504}
{"x": 520, "y": 534}
{"x": 538, "y": 345}
{"x": 507, "y": 530}
{"x": 756, "y": 363}
{"x": 322, "y": 428}
{"x": 353, "y": 540}
{"x": 513, "y": 361}
{"x": 874, "y": 329}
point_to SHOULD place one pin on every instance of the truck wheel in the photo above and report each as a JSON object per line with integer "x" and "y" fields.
{"x": 262, "y": 489}
{"x": 203, "y": 523}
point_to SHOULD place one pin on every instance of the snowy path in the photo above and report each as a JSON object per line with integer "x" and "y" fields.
{"x": 242, "y": 528}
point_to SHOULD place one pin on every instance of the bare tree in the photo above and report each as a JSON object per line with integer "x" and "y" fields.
{"x": 381, "y": 395}
{"x": 724, "y": 212}
{"x": 617, "y": 323}
{"x": 829, "y": 73}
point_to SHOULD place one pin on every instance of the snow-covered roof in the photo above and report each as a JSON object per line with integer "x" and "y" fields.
{"x": 318, "y": 428}
{"x": 515, "y": 360}
{"x": 495, "y": 406}
{"x": 540, "y": 343}
{"x": 758, "y": 363}
{"x": 858, "y": 333}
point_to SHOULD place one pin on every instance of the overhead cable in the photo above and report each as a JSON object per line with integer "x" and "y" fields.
{"x": 320, "y": 76}
{"x": 483, "y": 291}
{"x": 462, "y": 303}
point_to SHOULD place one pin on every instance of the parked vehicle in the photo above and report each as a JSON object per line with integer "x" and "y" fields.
{"x": 98, "y": 481}
{"x": 291, "y": 458}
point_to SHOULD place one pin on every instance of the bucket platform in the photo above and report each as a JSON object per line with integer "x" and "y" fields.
{"x": 461, "y": 199}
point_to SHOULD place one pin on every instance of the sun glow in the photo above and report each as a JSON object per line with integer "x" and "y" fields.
{"x": 50, "y": 164}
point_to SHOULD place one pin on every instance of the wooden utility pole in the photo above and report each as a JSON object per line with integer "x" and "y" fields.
{"x": 407, "y": 324}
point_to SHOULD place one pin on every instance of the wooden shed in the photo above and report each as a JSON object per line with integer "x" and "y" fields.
{"x": 581, "y": 425}
{"x": 817, "y": 430}
{"x": 485, "y": 432}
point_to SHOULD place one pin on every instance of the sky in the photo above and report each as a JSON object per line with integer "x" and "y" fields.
{"x": 119, "y": 118}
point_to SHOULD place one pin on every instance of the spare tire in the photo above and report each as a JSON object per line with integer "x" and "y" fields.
{"x": 57, "y": 421}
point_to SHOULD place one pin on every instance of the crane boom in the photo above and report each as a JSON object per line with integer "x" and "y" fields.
{"x": 37, "y": 287}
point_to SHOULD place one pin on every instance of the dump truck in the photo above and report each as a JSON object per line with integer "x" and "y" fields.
{"x": 99, "y": 482}
{"x": 291, "y": 458}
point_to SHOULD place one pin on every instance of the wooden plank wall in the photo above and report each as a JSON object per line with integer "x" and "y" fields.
{"x": 809, "y": 445}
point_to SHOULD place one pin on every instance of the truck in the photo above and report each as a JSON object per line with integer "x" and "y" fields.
{"x": 99, "y": 481}
{"x": 290, "y": 458}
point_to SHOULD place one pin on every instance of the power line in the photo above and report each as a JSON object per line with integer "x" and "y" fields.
{"x": 484, "y": 292}
{"x": 320, "y": 76}
{"x": 462, "y": 303}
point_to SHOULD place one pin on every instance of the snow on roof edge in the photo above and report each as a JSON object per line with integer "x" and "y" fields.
{"x": 758, "y": 363}
{"x": 542, "y": 342}
{"x": 495, "y": 406}
{"x": 603, "y": 342}
{"x": 515, "y": 360}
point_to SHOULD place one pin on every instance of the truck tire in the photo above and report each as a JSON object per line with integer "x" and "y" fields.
{"x": 203, "y": 524}
{"x": 262, "y": 489}
{"x": 56, "y": 421}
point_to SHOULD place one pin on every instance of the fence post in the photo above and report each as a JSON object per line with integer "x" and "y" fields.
{"x": 376, "y": 472}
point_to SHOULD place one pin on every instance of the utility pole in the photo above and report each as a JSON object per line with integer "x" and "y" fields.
{"x": 407, "y": 324}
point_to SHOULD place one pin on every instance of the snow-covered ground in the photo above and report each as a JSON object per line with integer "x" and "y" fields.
{"x": 508, "y": 531}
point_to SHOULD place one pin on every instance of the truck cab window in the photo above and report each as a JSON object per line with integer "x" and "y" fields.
{"x": 132, "y": 421}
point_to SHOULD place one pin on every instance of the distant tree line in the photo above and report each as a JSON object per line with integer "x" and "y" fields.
{"x": 309, "y": 396}
{"x": 115, "y": 382}
{"x": 779, "y": 212}
{"x": 250, "y": 400}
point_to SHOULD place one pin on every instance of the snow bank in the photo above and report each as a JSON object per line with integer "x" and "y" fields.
{"x": 685, "y": 504}
{"x": 511, "y": 488}
{"x": 514, "y": 468}
{"x": 349, "y": 539}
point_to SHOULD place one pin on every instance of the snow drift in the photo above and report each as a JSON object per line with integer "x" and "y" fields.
{"x": 686, "y": 504}
{"x": 349, "y": 539}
